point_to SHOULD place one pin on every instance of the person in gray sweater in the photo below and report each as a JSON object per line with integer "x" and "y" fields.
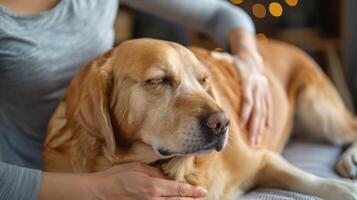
{"x": 43, "y": 43}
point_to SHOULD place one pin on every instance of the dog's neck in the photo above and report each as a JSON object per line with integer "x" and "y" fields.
{"x": 180, "y": 169}
{"x": 189, "y": 169}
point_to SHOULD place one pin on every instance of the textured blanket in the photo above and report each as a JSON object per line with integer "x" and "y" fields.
{"x": 318, "y": 159}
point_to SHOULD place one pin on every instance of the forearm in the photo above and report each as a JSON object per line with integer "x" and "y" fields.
{"x": 216, "y": 17}
{"x": 18, "y": 182}
{"x": 256, "y": 107}
{"x": 241, "y": 40}
{"x": 23, "y": 183}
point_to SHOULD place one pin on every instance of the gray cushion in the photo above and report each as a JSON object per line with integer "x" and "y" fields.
{"x": 316, "y": 158}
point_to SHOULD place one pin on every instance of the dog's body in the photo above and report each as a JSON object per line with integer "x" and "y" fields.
{"x": 144, "y": 91}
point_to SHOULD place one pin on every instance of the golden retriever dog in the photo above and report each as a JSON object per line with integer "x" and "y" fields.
{"x": 160, "y": 103}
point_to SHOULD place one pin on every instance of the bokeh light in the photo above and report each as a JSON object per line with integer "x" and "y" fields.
{"x": 292, "y": 2}
{"x": 237, "y": 1}
{"x": 261, "y": 37}
{"x": 259, "y": 10}
{"x": 275, "y": 9}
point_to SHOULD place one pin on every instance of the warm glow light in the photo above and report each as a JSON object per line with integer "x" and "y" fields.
{"x": 237, "y": 1}
{"x": 292, "y": 2}
{"x": 261, "y": 37}
{"x": 259, "y": 10}
{"x": 275, "y": 9}
{"x": 218, "y": 49}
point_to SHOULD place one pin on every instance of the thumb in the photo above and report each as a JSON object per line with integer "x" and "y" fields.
{"x": 177, "y": 189}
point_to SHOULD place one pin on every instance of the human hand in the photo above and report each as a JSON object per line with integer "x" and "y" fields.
{"x": 256, "y": 107}
{"x": 257, "y": 103}
{"x": 130, "y": 181}
{"x": 139, "y": 181}
{"x": 256, "y": 113}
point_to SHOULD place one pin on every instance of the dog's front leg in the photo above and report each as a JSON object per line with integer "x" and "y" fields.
{"x": 347, "y": 163}
{"x": 278, "y": 173}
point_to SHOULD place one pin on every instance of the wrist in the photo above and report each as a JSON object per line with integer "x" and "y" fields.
{"x": 244, "y": 49}
{"x": 252, "y": 62}
{"x": 64, "y": 186}
{"x": 92, "y": 186}
{"x": 241, "y": 40}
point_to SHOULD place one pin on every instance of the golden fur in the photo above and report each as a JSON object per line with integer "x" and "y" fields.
{"x": 146, "y": 94}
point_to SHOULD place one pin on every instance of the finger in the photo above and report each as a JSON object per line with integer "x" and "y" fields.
{"x": 175, "y": 189}
{"x": 139, "y": 167}
{"x": 247, "y": 105}
{"x": 256, "y": 118}
{"x": 179, "y": 198}
{"x": 265, "y": 114}
{"x": 269, "y": 100}
{"x": 263, "y": 121}
{"x": 266, "y": 108}
{"x": 253, "y": 127}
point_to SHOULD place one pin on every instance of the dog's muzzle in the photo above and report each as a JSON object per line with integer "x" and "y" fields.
{"x": 213, "y": 136}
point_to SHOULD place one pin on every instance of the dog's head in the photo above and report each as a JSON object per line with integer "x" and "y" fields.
{"x": 158, "y": 94}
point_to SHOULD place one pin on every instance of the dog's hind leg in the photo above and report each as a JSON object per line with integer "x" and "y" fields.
{"x": 278, "y": 173}
{"x": 320, "y": 113}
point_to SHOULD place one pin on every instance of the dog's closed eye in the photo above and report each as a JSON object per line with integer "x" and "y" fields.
{"x": 160, "y": 81}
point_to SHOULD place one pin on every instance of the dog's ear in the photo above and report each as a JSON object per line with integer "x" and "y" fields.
{"x": 93, "y": 111}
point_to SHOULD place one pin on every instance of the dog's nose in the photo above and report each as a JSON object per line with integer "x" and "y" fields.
{"x": 218, "y": 122}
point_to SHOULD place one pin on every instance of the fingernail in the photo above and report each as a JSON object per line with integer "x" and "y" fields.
{"x": 255, "y": 142}
{"x": 251, "y": 140}
{"x": 258, "y": 140}
{"x": 202, "y": 191}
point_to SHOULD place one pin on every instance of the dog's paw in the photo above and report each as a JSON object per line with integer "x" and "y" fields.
{"x": 347, "y": 191}
{"x": 335, "y": 189}
{"x": 347, "y": 164}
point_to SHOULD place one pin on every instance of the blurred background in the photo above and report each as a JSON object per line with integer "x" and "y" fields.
{"x": 326, "y": 29}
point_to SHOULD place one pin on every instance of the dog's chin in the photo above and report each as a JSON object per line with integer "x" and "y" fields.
{"x": 165, "y": 153}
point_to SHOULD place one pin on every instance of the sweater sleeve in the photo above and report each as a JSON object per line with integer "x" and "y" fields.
{"x": 19, "y": 183}
{"x": 216, "y": 17}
